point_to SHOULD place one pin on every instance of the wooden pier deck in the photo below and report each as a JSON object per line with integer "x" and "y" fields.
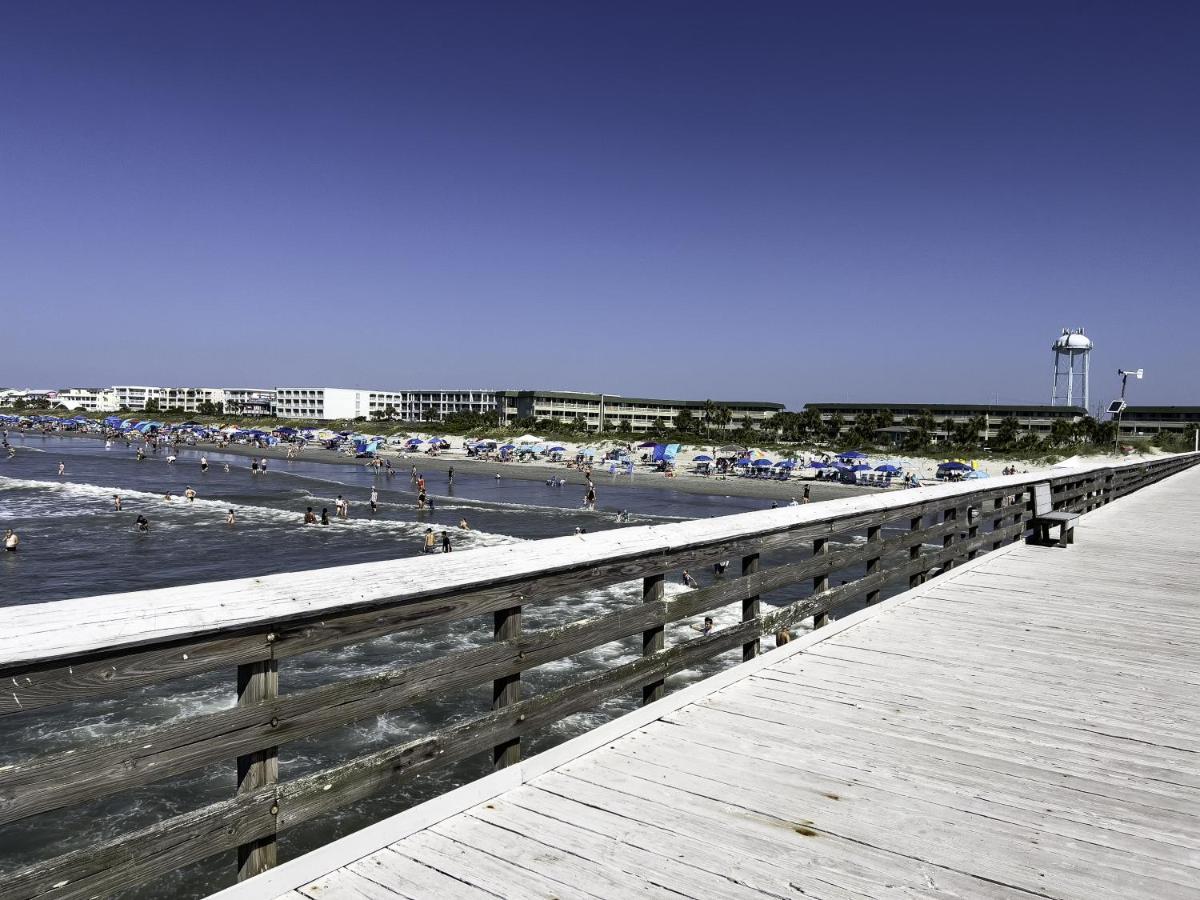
{"x": 1025, "y": 726}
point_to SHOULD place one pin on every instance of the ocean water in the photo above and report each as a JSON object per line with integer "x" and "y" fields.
{"x": 74, "y": 544}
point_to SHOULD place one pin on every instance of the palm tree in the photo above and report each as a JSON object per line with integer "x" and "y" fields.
{"x": 710, "y": 410}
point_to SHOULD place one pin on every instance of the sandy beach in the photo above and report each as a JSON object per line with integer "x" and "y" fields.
{"x": 685, "y": 481}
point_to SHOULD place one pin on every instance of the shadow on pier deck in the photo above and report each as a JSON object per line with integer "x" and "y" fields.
{"x": 1027, "y": 725}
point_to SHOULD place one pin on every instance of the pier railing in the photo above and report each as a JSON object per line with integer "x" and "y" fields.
{"x": 77, "y": 650}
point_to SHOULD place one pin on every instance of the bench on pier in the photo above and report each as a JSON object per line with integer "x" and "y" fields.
{"x": 1045, "y": 517}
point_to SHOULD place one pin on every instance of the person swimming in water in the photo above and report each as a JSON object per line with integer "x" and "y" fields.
{"x": 226, "y": 467}
{"x": 324, "y": 515}
{"x": 446, "y": 548}
{"x": 204, "y": 464}
{"x": 62, "y": 468}
{"x": 231, "y": 518}
{"x": 374, "y": 501}
{"x": 11, "y": 540}
{"x": 310, "y": 517}
{"x": 117, "y": 502}
{"x": 167, "y": 496}
{"x": 430, "y": 541}
{"x": 190, "y": 494}
{"x": 142, "y": 524}
{"x": 462, "y": 523}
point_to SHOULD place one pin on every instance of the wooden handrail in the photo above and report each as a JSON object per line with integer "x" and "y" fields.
{"x": 49, "y": 658}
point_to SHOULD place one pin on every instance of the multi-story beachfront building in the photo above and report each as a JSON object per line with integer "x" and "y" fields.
{"x": 249, "y": 401}
{"x": 319, "y": 403}
{"x": 640, "y": 414}
{"x": 408, "y": 406}
{"x": 89, "y": 399}
{"x": 1147, "y": 420}
{"x": 426, "y": 405}
{"x": 1037, "y": 420}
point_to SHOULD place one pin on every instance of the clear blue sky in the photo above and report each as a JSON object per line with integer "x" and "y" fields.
{"x": 792, "y": 201}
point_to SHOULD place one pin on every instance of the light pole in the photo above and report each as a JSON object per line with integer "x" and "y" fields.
{"x": 1118, "y": 406}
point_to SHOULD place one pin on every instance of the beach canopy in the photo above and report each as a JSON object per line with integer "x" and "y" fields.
{"x": 509, "y": 447}
{"x": 557, "y": 450}
{"x": 954, "y": 466}
{"x": 762, "y": 463}
{"x": 703, "y": 458}
{"x": 852, "y": 454}
{"x": 887, "y": 467}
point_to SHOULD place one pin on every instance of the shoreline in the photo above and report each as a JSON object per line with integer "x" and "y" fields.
{"x": 711, "y": 485}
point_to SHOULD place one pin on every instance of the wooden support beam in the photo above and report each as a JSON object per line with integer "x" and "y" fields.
{"x": 750, "y": 606}
{"x": 914, "y": 553}
{"x": 654, "y": 640}
{"x": 875, "y": 541}
{"x": 821, "y": 581}
{"x": 506, "y": 690}
{"x": 257, "y": 682}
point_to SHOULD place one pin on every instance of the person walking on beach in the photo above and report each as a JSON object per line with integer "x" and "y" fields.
{"x": 262, "y": 466}
{"x": 254, "y": 467}
{"x": 807, "y": 494}
{"x": 190, "y": 494}
{"x": 231, "y": 518}
{"x": 374, "y": 501}
{"x": 414, "y": 475}
{"x": 204, "y": 464}
{"x": 430, "y": 541}
{"x": 446, "y": 548}
{"x": 310, "y": 518}
{"x": 11, "y": 540}
{"x": 450, "y": 477}
{"x": 117, "y": 502}
{"x": 421, "y": 483}
{"x": 421, "y": 499}
{"x": 589, "y": 499}
{"x": 62, "y": 468}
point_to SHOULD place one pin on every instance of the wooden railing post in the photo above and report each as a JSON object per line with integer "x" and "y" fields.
{"x": 949, "y": 515}
{"x": 750, "y": 606}
{"x": 654, "y": 640}
{"x": 974, "y": 513}
{"x": 914, "y": 552}
{"x": 506, "y": 690}
{"x": 997, "y": 520}
{"x": 257, "y": 682}
{"x": 874, "y": 536}
{"x": 821, "y": 582}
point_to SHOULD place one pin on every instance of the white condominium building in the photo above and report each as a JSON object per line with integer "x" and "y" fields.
{"x": 350, "y": 403}
{"x": 89, "y": 399}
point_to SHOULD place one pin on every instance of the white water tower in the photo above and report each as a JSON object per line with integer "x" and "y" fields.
{"x": 1072, "y": 352}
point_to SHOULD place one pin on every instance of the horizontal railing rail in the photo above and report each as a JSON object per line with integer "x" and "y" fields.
{"x": 80, "y": 650}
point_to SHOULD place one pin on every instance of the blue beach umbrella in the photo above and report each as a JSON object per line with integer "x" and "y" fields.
{"x": 954, "y": 466}
{"x": 889, "y": 468}
{"x": 762, "y": 464}
{"x": 786, "y": 464}
{"x": 558, "y": 450}
{"x": 703, "y": 458}
{"x": 861, "y": 467}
